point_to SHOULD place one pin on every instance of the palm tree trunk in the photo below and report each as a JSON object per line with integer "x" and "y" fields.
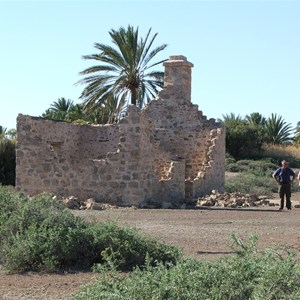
{"x": 133, "y": 96}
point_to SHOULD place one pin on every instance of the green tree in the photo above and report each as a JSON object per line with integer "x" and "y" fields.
{"x": 296, "y": 139}
{"x": 75, "y": 113}
{"x": 2, "y": 132}
{"x": 7, "y": 162}
{"x": 228, "y": 118}
{"x": 59, "y": 109}
{"x": 256, "y": 119}
{"x": 7, "y": 134}
{"x": 241, "y": 138}
{"x": 108, "y": 112}
{"x": 124, "y": 71}
{"x": 277, "y": 130}
{"x": 65, "y": 110}
{"x": 258, "y": 123}
{"x": 11, "y": 134}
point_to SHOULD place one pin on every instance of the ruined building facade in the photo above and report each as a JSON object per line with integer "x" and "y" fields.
{"x": 167, "y": 151}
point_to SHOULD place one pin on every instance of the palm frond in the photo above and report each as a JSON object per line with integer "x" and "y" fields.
{"x": 121, "y": 77}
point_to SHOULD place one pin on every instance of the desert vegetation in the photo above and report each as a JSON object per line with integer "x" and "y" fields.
{"x": 250, "y": 274}
{"x": 39, "y": 234}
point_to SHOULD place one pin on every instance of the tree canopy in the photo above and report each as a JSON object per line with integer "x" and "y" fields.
{"x": 124, "y": 73}
{"x": 246, "y": 136}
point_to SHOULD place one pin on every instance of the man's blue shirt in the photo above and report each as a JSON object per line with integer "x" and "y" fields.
{"x": 284, "y": 175}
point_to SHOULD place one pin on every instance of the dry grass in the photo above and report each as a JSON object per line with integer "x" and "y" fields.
{"x": 282, "y": 150}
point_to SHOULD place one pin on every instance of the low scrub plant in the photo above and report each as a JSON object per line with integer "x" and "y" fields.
{"x": 38, "y": 234}
{"x": 253, "y": 177}
{"x": 261, "y": 168}
{"x": 251, "y": 184}
{"x": 249, "y": 274}
{"x": 124, "y": 248}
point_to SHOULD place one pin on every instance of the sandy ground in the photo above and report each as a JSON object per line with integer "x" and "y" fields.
{"x": 202, "y": 234}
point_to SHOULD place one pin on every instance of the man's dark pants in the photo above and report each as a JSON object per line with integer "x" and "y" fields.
{"x": 285, "y": 189}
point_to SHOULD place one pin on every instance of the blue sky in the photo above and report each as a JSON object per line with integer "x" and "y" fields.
{"x": 246, "y": 54}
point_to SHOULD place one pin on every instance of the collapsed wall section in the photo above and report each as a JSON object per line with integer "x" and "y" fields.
{"x": 184, "y": 135}
{"x": 211, "y": 174}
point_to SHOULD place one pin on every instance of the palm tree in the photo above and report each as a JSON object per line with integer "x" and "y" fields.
{"x": 258, "y": 123}
{"x": 240, "y": 137}
{"x": 255, "y": 119}
{"x": 123, "y": 72}
{"x": 3, "y": 131}
{"x": 75, "y": 113}
{"x": 108, "y": 112}
{"x": 277, "y": 130}
{"x": 230, "y": 118}
{"x": 11, "y": 134}
{"x": 59, "y": 109}
{"x": 296, "y": 139}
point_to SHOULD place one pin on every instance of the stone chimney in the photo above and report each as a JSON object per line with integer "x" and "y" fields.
{"x": 178, "y": 78}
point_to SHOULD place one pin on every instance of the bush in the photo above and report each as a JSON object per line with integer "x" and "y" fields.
{"x": 7, "y": 162}
{"x": 39, "y": 234}
{"x": 263, "y": 167}
{"x": 251, "y": 184}
{"x": 123, "y": 248}
{"x": 255, "y": 177}
{"x": 249, "y": 274}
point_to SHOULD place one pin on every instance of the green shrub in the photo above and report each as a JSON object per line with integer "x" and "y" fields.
{"x": 7, "y": 162}
{"x": 264, "y": 167}
{"x": 258, "y": 168}
{"x": 124, "y": 248}
{"x": 39, "y": 234}
{"x": 250, "y": 274}
{"x": 251, "y": 184}
{"x": 10, "y": 201}
{"x": 255, "y": 177}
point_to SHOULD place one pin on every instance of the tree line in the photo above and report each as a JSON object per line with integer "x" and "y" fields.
{"x": 246, "y": 136}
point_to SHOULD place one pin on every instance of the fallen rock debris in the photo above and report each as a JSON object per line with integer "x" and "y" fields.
{"x": 234, "y": 200}
{"x": 215, "y": 199}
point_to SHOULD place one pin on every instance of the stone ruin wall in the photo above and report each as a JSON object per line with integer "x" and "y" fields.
{"x": 50, "y": 158}
{"x": 166, "y": 152}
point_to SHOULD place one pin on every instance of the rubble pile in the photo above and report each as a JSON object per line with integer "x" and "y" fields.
{"x": 233, "y": 200}
{"x": 72, "y": 202}
{"x": 215, "y": 199}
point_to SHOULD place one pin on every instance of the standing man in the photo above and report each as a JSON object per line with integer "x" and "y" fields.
{"x": 284, "y": 176}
